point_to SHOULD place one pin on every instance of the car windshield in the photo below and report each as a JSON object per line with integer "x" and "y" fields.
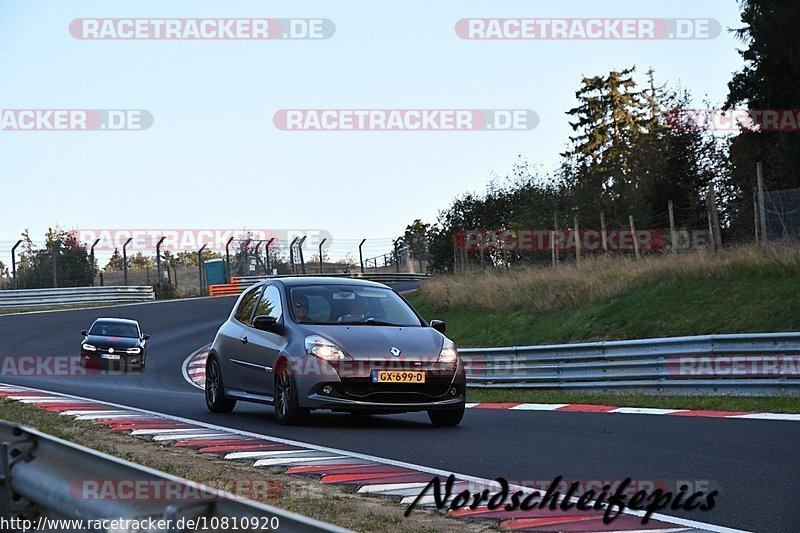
{"x": 350, "y": 305}
{"x": 115, "y": 329}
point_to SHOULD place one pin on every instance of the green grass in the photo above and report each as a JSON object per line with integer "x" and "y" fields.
{"x": 713, "y": 403}
{"x": 740, "y": 302}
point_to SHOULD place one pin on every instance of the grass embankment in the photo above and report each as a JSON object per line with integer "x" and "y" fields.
{"x": 738, "y": 291}
{"x": 328, "y": 503}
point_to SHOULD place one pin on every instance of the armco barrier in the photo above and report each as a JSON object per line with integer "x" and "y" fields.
{"x": 31, "y": 298}
{"x": 43, "y": 476}
{"x": 238, "y": 284}
{"x": 762, "y": 364}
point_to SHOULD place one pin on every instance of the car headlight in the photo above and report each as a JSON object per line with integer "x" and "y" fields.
{"x": 449, "y": 354}
{"x": 133, "y": 351}
{"x": 89, "y": 347}
{"x": 323, "y": 348}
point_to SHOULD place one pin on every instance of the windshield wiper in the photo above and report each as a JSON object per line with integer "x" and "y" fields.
{"x": 367, "y": 322}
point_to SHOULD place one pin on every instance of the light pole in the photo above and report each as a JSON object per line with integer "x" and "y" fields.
{"x": 125, "y": 260}
{"x": 14, "y": 264}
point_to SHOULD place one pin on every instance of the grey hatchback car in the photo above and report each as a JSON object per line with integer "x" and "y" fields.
{"x": 345, "y": 345}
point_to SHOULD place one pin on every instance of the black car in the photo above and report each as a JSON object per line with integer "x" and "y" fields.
{"x": 338, "y": 344}
{"x": 116, "y": 342}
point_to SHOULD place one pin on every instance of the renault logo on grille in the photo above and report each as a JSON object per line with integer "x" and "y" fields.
{"x": 395, "y": 351}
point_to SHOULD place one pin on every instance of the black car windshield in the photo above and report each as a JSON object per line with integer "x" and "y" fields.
{"x": 350, "y": 305}
{"x": 115, "y": 329}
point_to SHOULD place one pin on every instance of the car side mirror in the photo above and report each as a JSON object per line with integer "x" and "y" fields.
{"x": 145, "y": 337}
{"x": 439, "y": 326}
{"x": 268, "y": 323}
{"x": 84, "y": 332}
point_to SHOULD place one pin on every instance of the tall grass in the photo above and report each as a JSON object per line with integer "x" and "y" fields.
{"x": 546, "y": 289}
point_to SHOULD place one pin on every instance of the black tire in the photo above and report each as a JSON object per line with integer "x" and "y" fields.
{"x": 446, "y": 417}
{"x": 82, "y": 361}
{"x": 287, "y": 409}
{"x": 215, "y": 391}
{"x": 144, "y": 361}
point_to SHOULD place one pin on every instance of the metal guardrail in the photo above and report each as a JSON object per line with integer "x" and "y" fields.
{"x": 43, "y": 476}
{"x": 29, "y": 298}
{"x": 760, "y": 364}
{"x": 238, "y": 284}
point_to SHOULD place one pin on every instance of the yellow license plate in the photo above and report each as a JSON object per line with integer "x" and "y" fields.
{"x": 397, "y": 376}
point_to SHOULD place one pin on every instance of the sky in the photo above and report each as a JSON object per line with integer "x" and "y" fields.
{"x": 214, "y": 159}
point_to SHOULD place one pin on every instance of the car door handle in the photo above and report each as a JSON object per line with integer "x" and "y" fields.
{"x": 244, "y": 340}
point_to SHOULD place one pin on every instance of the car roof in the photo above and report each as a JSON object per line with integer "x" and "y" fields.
{"x": 118, "y": 321}
{"x": 295, "y": 281}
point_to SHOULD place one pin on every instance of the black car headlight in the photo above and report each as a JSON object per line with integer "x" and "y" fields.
{"x": 89, "y": 347}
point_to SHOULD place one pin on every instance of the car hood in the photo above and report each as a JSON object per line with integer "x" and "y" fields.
{"x": 367, "y": 342}
{"x": 112, "y": 342}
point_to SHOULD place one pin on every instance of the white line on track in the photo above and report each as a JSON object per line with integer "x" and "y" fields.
{"x": 365, "y": 457}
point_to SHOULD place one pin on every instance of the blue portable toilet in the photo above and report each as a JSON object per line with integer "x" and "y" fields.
{"x": 215, "y": 271}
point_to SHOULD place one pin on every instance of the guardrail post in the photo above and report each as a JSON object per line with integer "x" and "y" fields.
{"x": 158, "y": 260}
{"x": 125, "y": 260}
{"x": 14, "y": 264}
{"x": 228, "y": 260}
{"x": 361, "y": 255}
{"x": 291, "y": 255}
{"x": 200, "y": 267}
{"x": 320, "y": 254}
{"x": 266, "y": 251}
{"x": 91, "y": 259}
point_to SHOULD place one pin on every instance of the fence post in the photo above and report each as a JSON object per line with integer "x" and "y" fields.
{"x": 553, "y": 246}
{"x": 673, "y": 236}
{"x": 603, "y": 231}
{"x": 291, "y": 255}
{"x": 158, "y": 260}
{"x": 228, "y": 260}
{"x": 361, "y": 255}
{"x": 266, "y": 251}
{"x": 320, "y": 254}
{"x": 125, "y": 261}
{"x": 91, "y": 258}
{"x": 577, "y": 243}
{"x": 633, "y": 235}
{"x": 200, "y": 267}
{"x": 54, "y": 260}
{"x": 555, "y": 232}
{"x": 715, "y": 229}
{"x": 761, "y": 207}
{"x": 755, "y": 215}
{"x": 300, "y": 249}
{"x": 14, "y": 264}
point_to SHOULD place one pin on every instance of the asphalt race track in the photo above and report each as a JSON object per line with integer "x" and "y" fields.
{"x": 754, "y": 464}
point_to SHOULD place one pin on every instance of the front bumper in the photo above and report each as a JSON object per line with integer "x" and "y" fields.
{"x": 125, "y": 360}
{"x": 349, "y": 387}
